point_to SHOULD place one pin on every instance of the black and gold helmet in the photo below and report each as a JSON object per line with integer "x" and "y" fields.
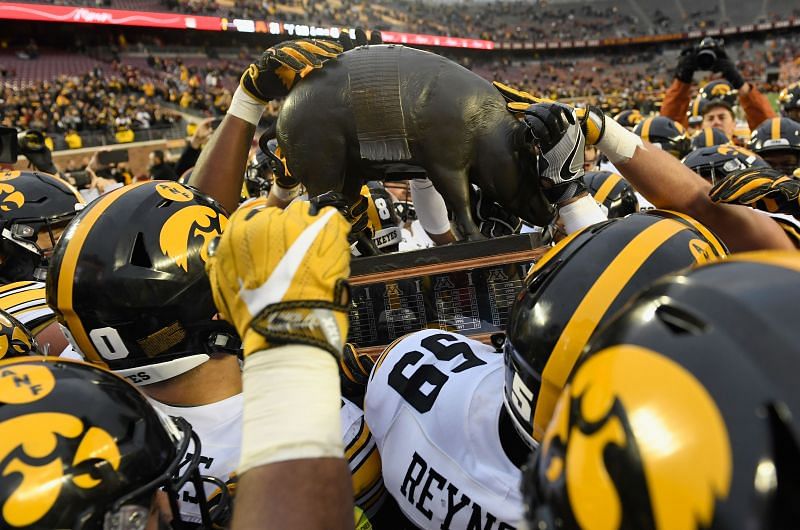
{"x": 34, "y": 208}
{"x": 716, "y": 163}
{"x": 694, "y": 115}
{"x": 719, "y": 90}
{"x": 15, "y": 339}
{"x": 667, "y": 134}
{"x": 128, "y": 281}
{"x": 81, "y": 448}
{"x": 709, "y": 137}
{"x": 683, "y": 412}
{"x": 629, "y": 118}
{"x": 575, "y": 288}
{"x": 382, "y": 215}
{"x": 777, "y": 141}
{"x": 612, "y": 191}
{"x": 789, "y": 99}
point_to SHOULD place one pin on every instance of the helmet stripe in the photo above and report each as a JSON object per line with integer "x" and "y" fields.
{"x": 719, "y": 248}
{"x": 596, "y": 302}
{"x": 602, "y": 193}
{"x": 646, "y": 129}
{"x": 709, "y": 132}
{"x": 775, "y": 129}
{"x": 69, "y": 263}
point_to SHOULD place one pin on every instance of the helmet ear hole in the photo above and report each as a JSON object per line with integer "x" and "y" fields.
{"x": 139, "y": 255}
{"x": 679, "y": 321}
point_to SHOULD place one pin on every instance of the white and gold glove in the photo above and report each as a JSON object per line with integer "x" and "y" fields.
{"x": 279, "y": 276}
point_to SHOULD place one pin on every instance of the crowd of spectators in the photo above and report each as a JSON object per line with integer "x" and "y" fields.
{"x": 110, "y": 101}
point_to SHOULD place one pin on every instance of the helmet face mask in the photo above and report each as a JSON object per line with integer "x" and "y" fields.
{"x": 716, "y": 163}
{"x": 36, "y": 208}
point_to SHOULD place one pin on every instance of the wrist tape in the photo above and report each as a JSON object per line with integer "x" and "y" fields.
{"x": 246, "y": 107}
{"x": 581, "y": 213}
{"x": 618, "y": 143}
{"x": 280, "y": 383}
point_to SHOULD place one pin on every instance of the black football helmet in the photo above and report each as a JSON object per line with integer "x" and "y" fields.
{"x": 789, "y": 99}
{"x": 716, "y": 163}
{"x": 612, "y": 191}
{"x": 34, "y": 208}
{"x": 575, "y": 288}
{"x": 683, "y": 411}
{"x": 128, "y": 281}
{"x": 382, "y": 215}
{"x": 709, "y": 137}
{"x": 777, "y": 141}
{"x": 83, "y": 449}
{"x": 669, "y": 135}
{"x": 719, "y": 90}
{"x": 695, "y": 113}
{"x": 629, "y": 118}
{"x": 15, "y": 339}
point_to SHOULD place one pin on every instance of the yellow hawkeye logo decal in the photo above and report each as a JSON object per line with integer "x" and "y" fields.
{"x": 185, "y": 224}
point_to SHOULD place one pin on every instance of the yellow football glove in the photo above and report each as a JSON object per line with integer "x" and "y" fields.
{"x": 762, "y": 188}
{"x": 592, "y": 119}
{"x": 279, "y": 276}
{"x": 279, "y": 68}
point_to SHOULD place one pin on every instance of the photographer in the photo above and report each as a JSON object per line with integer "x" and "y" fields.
{"x": 710, "y": 55}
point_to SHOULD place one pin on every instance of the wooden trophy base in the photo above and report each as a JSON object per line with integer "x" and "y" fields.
{"x": 466, "y": 288}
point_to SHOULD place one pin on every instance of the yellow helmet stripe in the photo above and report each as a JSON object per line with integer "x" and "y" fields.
{"x": 69, "y": 263}
{"x": 596, "y": 302}
{"x": 602, "y": 194}
{"x": 646, "y": 129}
{"x": 775, "y": 129}
{"x": 715, "y": 242}
{"x": 696, "y": 106}
{"x": 709, "y": 136}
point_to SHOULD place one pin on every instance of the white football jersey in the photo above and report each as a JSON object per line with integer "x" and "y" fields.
{"x": 219, "y": 426}
{"x": 433, "y": 403}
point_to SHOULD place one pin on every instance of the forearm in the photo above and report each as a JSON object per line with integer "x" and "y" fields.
{"x": 670, "y": 185}
{"x": 312, "y": 493}
{"x": 292, "y": 454}
{"x": 220, "y": 169}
